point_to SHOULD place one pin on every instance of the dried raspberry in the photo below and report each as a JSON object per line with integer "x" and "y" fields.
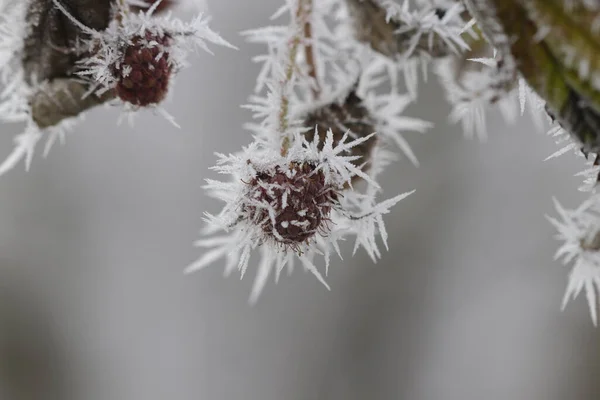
{"x": 300, "y": 198}
{"x": 145, "y": 71}
{"x": 348, "y": 116}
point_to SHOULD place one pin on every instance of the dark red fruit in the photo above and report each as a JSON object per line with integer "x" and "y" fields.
{"x": 147, "y": 81}
{"x": 300, "y": 198}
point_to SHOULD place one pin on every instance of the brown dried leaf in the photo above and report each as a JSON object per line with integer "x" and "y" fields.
{"x": 62, "y": 98}
{"x": 50, "y": 55}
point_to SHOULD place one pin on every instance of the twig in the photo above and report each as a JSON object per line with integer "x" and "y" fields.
{"x": 300, "y": 21}
{"x": 123, "y": 9}
{"x": 308, "y": 51}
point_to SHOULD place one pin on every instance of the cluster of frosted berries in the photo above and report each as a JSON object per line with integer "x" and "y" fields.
{"x": 290, "y": 203}
{"x": 348, "y": 116}
{"x": 143, "y": 74}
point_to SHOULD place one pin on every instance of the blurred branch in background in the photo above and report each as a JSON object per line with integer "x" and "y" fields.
{"x": 32, "y": 363}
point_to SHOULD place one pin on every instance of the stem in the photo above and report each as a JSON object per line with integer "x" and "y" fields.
{"x": 301, "y": 27}
{"x": 289, "y": 74}
{"x": 122, "y": 9}
{"x": 308, "y": 51}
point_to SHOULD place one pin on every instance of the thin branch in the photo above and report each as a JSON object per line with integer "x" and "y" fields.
{"x": 300, "y": 20}
{"x": 123, "y": 10}
{"x": 309, "y": 52}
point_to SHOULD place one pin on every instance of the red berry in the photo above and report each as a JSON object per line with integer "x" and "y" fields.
{"x": 300, "y": 198}
{"x": 147, "y": 82}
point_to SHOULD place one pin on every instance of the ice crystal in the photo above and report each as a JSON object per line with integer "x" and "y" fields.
{"x": 579, "y": 230}
{"x": 474, "y": 89}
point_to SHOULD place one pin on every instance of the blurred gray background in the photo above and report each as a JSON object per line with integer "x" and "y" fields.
{"x": 93, "y": 241}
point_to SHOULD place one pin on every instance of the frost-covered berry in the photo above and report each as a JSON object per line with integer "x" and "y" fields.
{"x": 144, "y": 73}
{"x": 139, "y": 54}
{"x": 348, "y": 116}
{"x": 292, "y": 206}
{"x": 291, "y": 203}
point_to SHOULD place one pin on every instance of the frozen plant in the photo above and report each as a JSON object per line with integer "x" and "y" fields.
{"x": 59, "y": 58}
{"x": 552, "y": 46}
{"x": 321, "y": 130}
{"x": 342, "y": 55}
{"x": 328, "y": 105}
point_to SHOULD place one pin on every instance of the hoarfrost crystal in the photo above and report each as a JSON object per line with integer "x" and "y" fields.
{"x": 579, "y": 230}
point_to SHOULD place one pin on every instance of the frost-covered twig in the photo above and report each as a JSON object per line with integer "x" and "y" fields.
{"x": 299, "y": 21}
{"x": 309, "y": 53}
